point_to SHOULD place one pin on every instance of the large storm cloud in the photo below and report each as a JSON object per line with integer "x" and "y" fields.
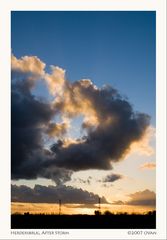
{"x": 110, "y": 124}
{"x": 109, "y": 120}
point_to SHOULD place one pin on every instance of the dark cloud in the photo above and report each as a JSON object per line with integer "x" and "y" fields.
{"x": 29, "y": 119}
{"x": 116, "y": 127}
{"x": 110, "y": 123}
{"x": 142, "y": 198}
{"x": 112, "y": 177}
{"x": 52, "y": 194}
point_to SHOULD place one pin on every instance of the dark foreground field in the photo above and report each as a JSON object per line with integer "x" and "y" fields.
{"x": 83, "y": 221}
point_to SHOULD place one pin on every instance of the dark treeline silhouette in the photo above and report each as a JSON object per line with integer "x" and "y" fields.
{"x": 107, "y": 220}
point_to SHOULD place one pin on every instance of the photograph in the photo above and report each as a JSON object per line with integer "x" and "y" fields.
{"x": 83, "y": 119}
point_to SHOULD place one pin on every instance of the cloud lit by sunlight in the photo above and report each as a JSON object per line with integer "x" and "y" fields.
{"x": 148, "y": 165}
{"x": 143, "y": 146}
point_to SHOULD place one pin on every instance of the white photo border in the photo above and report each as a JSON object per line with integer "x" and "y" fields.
{"x": 5, "y": 105}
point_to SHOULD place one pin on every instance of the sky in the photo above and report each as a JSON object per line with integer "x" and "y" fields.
{"x": 83, "y": 82}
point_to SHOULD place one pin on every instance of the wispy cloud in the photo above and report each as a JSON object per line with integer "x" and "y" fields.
{"x": 112, "y": 177}
{"x": 148, "y": 166}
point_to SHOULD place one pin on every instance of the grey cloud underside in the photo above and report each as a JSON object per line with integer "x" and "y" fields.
{"x": 146, "y": 198}
{"x": 141, "y": 198}
{"x": 52, "y": 194}
{"x": 103, "y": 145}
{"x": 144, "y": 202}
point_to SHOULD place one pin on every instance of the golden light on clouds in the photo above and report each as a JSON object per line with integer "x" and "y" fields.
{"x": 57, "y": 129}
{"x": 28, "y": 64}
{"x": 148, "y": 165}
{"x": 68, "y": 141}
{"x": 55, "y": 80}
{"x": 143, "y": 145}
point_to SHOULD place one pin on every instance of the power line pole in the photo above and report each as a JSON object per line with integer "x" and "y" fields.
{"x": 99, "y": 204}
{"x": 59, "y": 206}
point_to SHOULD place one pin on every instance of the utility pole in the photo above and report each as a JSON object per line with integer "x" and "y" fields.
{"x": 98, "y": 212}
{"x": 59, "y": 206}
{"x": 99, "y": 204}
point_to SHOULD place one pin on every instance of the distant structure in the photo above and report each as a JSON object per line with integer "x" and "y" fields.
{"x": 99, "y": 204}
{"x": 98, "y": 212}
{"x": 59, "y": 206}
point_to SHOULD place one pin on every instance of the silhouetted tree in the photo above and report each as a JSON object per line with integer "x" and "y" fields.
{"x": 97, "y": 213}
{"x": 108, "y": 213}
{"x": 26, "y": 213}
